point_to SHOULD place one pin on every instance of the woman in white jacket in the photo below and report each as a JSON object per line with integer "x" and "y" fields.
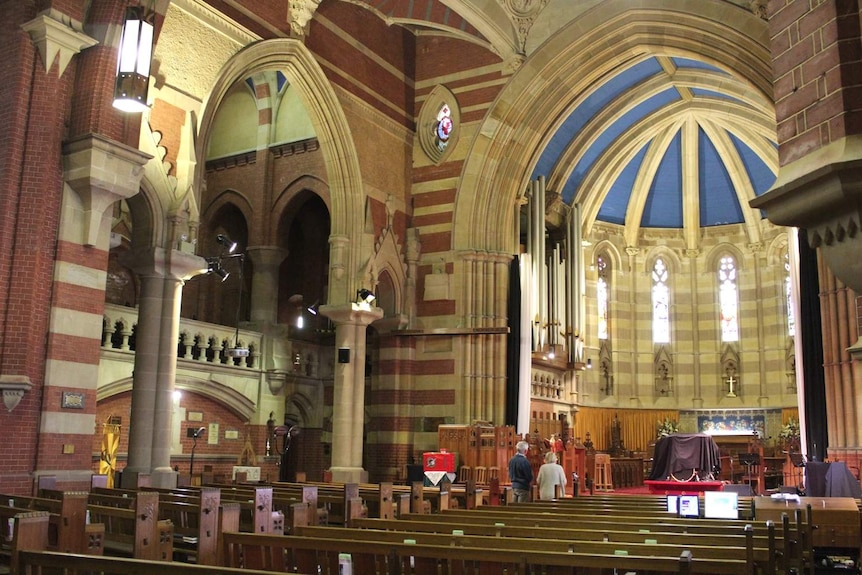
{"x": 550, "y": 475}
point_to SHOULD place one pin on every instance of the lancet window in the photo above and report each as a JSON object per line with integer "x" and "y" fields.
{"x": 602, "y": 297}
{"x": 728, "y": 299}
{"x": 660, "y": 302}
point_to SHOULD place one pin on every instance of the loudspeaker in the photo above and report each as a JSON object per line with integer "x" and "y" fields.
{"x": 343, "y": 355}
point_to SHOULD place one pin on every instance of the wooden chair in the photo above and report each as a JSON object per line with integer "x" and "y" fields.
{"x": 465, "y": 474}
{"x": 481, "y": 475}
{"x": 493, "y": 473}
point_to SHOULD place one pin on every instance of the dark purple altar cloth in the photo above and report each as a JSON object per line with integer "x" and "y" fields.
{"x": 680, "y": 453}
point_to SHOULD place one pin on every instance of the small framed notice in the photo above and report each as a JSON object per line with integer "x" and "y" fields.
{"x": 231, "y": 434}
{"x": 195, "y": 416}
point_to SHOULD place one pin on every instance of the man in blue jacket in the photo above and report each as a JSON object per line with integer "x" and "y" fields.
{"x": 521, "y": 473}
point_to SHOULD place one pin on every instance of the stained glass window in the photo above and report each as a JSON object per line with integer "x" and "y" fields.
{"x": 602, "y": 297}
{"x": 728, "y": 299}
{"x": 443, "y": 127}
{"x": 660, "y": 303}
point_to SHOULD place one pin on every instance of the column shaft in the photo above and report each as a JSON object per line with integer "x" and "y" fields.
{"x": 348, "y": 403}
{"x": 144, "y": 375}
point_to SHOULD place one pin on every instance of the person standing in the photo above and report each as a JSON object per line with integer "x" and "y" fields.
{"x": 521, "y": 473}
{"x": 558, "y": 446}
{"x": 550, "y": 475}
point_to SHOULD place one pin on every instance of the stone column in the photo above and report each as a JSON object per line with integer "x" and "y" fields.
{"x": 349, "y": 398}
{"x": 163, "y": 274}
{"x": 264, "y": 283}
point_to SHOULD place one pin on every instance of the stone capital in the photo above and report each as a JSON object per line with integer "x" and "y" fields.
{"x": 352, "y": 313}
{"x": 164, "y": 263}
{"x": 266, "y": 256}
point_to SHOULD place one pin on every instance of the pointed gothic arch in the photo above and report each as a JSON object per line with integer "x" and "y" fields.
{"x": 336, "y": 143}
{"x": 516, "y": 128}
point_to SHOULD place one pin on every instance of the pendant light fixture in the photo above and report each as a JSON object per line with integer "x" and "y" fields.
{"x": 135, "y": 57}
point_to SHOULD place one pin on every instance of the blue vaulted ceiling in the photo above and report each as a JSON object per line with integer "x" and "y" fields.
{"x": 705, "y": 141}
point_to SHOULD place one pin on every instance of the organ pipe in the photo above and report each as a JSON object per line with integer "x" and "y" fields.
{"x": 575, "y": 277}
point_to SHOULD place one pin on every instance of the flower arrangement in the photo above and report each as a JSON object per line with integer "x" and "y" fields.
{"x": 789, "y": 434}
{"x": 667, "y": 426}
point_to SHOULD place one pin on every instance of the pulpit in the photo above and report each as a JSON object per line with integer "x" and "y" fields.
{"x": 578, "y": 464}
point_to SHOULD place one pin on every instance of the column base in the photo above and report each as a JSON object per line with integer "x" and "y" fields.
{"x": 349, "y": 475}
{"x": 164, "y": 478}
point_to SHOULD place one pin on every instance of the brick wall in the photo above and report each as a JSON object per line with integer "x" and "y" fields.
{"x": 818, "y": 73}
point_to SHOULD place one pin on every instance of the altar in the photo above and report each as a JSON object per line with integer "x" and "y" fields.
{"x": 684, "y": 457}
{"x": 670, "y": 487}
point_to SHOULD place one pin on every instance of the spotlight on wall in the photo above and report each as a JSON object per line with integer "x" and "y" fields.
{"x": 133, "y": 63}
{"x": 226, "y": 242}
{"x": 589, "y": 363}
{"x": 214, "y": 267}
{"x": 313, "y": 308}
{"x": 365, "y": 296}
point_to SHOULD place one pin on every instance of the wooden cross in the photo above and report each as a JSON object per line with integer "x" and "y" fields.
{"x": 730, "y": 381}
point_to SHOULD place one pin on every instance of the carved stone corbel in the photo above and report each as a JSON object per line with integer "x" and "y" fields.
{"x": 14, "y": 387}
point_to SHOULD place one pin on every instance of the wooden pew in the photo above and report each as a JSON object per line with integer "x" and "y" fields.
{"x": 256, "y": 504}
{"x": 73, "y": 564}
{"x": 653, "y": 504}
{"x": 285, "y": 498}
{"x": 196, "y": 525}
{"x": 29, "y": 530}
{"x": 739, "y": 548}
{"x": 137, "y": 531}
{"x": 769, "y": 546}
{"x": 795, "y": 547}
{"x": 564, "y": 521}
{"x": 321, "y": 555}
{"x": 431, "y": 499}
{"x": 68, "y": 530}
{"x": 587, "y": 533}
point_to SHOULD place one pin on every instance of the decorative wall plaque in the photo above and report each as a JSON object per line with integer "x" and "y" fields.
{"x": 73, "y": 400}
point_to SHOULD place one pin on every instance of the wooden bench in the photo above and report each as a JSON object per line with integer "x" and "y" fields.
{"x": 256, "y": 504}
{"x": 136, "y": 531}
{"x": 37, "y": 562}
{"x": 768, "y": 556}
{"x": 284, "y": 499}
{"x": 732, "y": 548}
{"x": 339, "y": 507}
{"x": 196, "y": 526}
{"x": 22, "y": 532}
{"x": 322, "y": 555}
{"x": 422, "y": 499}
{"x": 796, "y": 550}
{"x": 68, "y": 530}
{"x": 652, "y": 504}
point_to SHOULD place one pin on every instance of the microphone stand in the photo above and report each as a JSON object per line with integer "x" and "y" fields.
{"x": 195, "y": 436}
